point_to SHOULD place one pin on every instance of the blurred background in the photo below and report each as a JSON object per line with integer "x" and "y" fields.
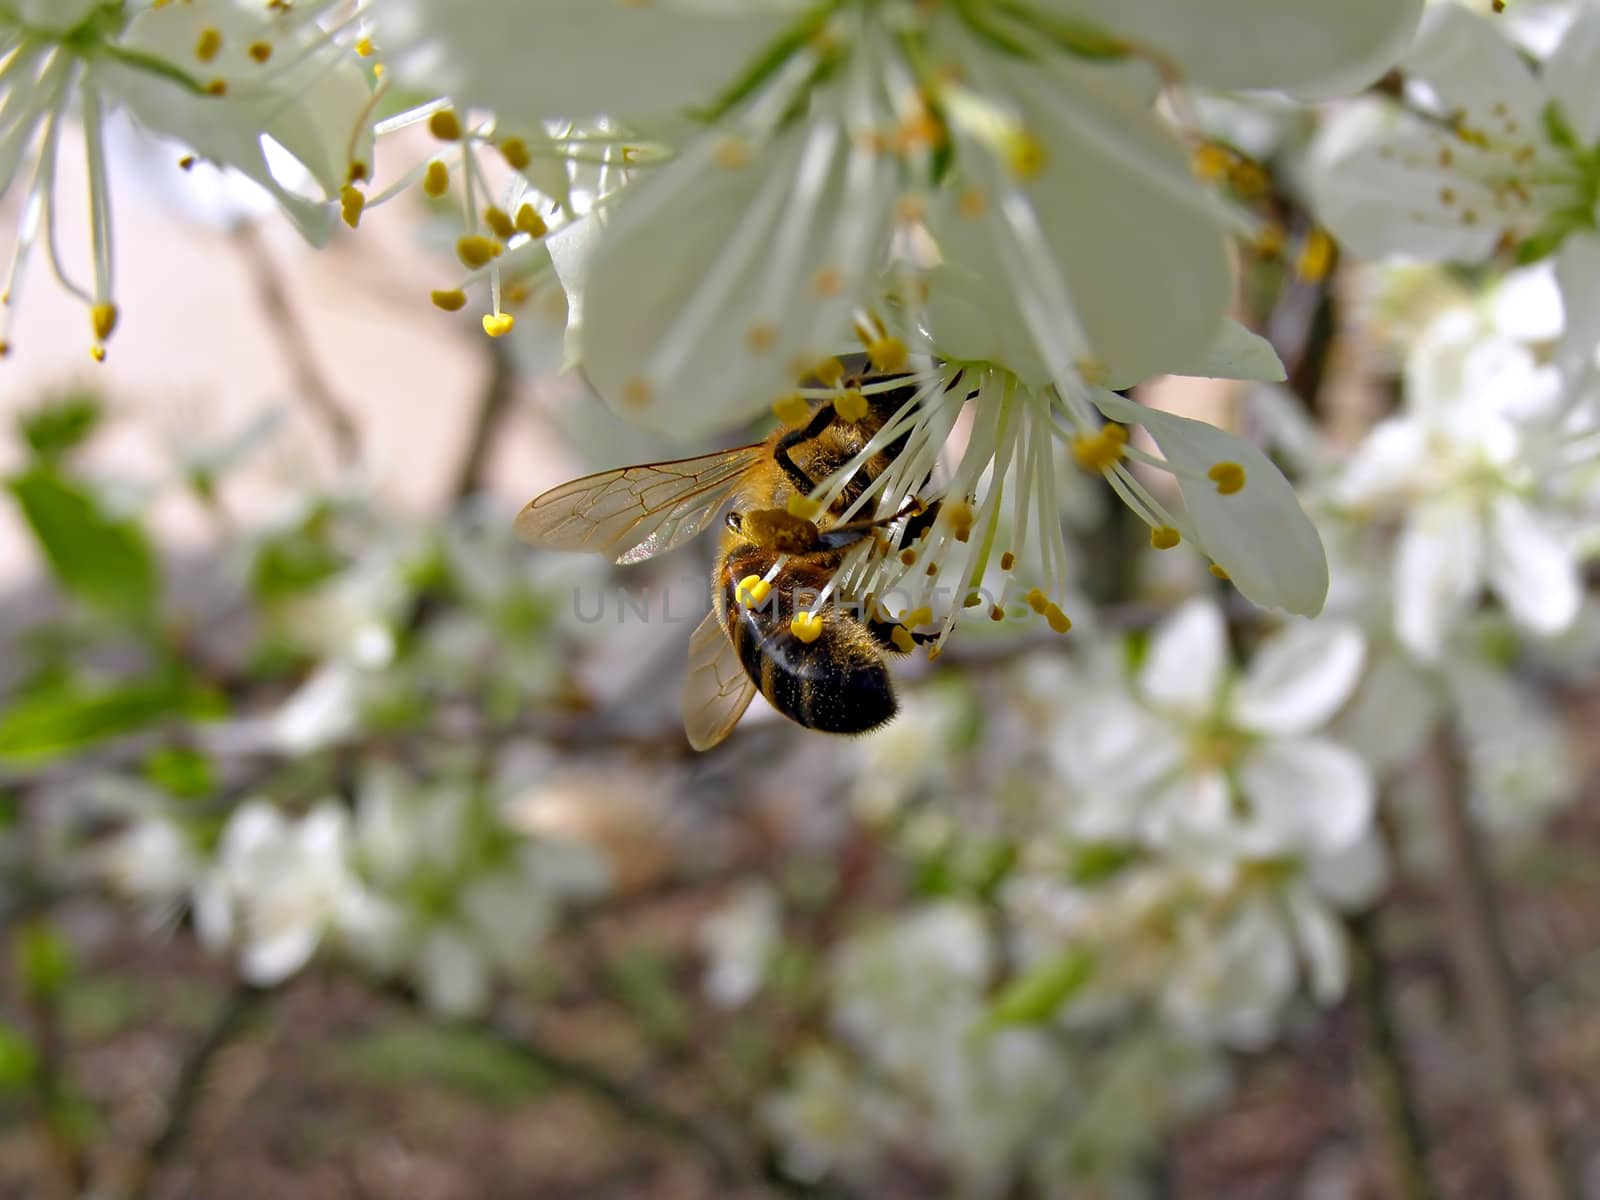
{"x": 349, "y": 848}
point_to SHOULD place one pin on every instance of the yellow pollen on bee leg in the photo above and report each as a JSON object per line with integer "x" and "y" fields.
{"x": 515, "y": 151}
{"x": 530, "y": 222}
{"x": 1101, "y": 450}
{"x": 1164, "y": 537}
{"x": 351, "y": 204}
{"x": 475, "y": 250}
{"x": 792, "y": 410}
{"x": 803, "y": 507}
{"x": 886, "y": 353}
{"x": 1228, "y": 476}
{"x": 902, "y": 639}
{"x": 499, "y": 223}
{"x": 752, "y": 589}
{"x": 445, "y": 125}
{"x": 1056, "y": 619}
{"x": 104, "y": 319}
{"x": 436, "y": 179}
{"x": 806, "y": 626}
{"x": 209, "y": 44}
{"x": 913, "y": 617}
{"x": 1218, "y": 571}
{"x": 850, "y": 406}
{"x": 451, "y": 299}
{"x": 498, "y": 324}
{"x": 761, "y": 337}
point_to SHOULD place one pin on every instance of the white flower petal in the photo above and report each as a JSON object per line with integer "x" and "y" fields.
{"x": 1259, "y": 535}
{"x": 1354, "y": 876}
{"x": 1578, "y": 276}
{"x": 1384, "y": 466}
{"x": 703, "y": 296}
{"x": 1391, "y": 715}
{"x": 1322, "y": 945}
{"x": 1236, "y": 353}
{"x": 1535, "y": 575}
{"x": 1438, "y": 569}
{"x": 1300, "y": 678}
{"x": 1141, "y": 263}
{"x": 578, "y": 58}
{"x": 452, "y": 975}
{"x": 1568, "y": 74}
{"x": 1304, "y": 46}
{"x": 1307, "y": 795}
{"x": 1187, "y": 660}
{"x": 268, "y": 961}
{"x": 1474, "y": 71}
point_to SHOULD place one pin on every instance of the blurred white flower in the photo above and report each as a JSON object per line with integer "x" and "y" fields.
{"x": 739, "y": 941}
{"x": 1021, "y": 135}
{"x": 1476, "y": 473}
{"x": 1225, "y": 764}
{"x": 1521, "y": 761}
{"x": 277, "y": 888}
{"x": 251, "y": 88}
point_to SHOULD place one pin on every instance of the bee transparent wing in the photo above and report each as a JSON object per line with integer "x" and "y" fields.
{"x": 634, "y": 513}
{"x": 716, "y": 691}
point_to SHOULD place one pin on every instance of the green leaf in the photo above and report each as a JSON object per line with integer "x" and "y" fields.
{"x": 18, "y": 1060}
{"x": 186, "y": 773}
{"x": 1096, "y": 861}
{"x": 1039, "y": 994}
{"x": 71, "y": 715}
{"x": 456, "y": 1057}
{"x": 103, "y": 559}
{"x": 61, "y": 424}
{"x": 44, "y": 961}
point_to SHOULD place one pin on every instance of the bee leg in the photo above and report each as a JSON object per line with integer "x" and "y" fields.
{"x": 820, "y": 420}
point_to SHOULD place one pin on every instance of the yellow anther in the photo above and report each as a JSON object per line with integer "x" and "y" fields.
{"x": 1218, "y": 571}
{"x": 217, "y": 87}
{"x": 959, "y": 517}
{"x": 752, "y": 589}
{"x": 908, "y": 557}
{"x": 1165, "y": 537}
{"x": 187, "y": 162}
{"x": 445, "y": 125}
{"x": 792, "y": 410}
{"x": 364, "y": 47}
{"x": 1228, "y": 476}
{"x": 1211, "y": 162}
{"x": 351, "y": 203}
{"x": 1024, "y": 154}
{"x": 498, "y": 324}
{"x": 1101, "y": 450}
{"x": 806, "y": 626}
{"x": 355, "y": 172}
{"x": 886, "y": 354}
{"x": 5, "y": 349}
{"x": 1056, "y": 619}
{"x": 761, "y": 336}
{"x": 972, "y": 204}
{"x": 97, "y": 352}
{"x": 1037, "y": 601}
{"x": 731, "y": 152}
{"x": 972, "y": 600}
{"x": 1269, "y": 240}
{"x": 475, "y": 250}
{"x": 1092, "y": 370}
{"x": 1249, "y": 179}
{"x": 997, "y": 612}
{"x": 1007, "y": 561}
{"x": 260, "y": 51}
{"x": 828, "y": 282}
{"x": 104, "y": 319}
{"x": 903, "y": 641}
{"x": 436, "y": 179}
{"x": 1316, "y": 257}
{"x": 910, "y": 210}
{"x": 829, "y": 372}
{"x": 850, "y": 405}
{"x": 377, "y": 70}
{"x": 515, "y": 151}
{"x": 638, "y": 392}
{"x": 530, "y": 222}
{"x": 932, "y": 569}
{"x": 499, "y": 222}
{"x": 209, "y": 44}
{"x": 451, "y": 299}
{"x": 913, "y": 617}
{"x": 803, "y": 507}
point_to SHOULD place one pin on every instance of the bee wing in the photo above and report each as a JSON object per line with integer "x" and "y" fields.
{"x": 716, "y": 690}
{"x": 634, "y": 513}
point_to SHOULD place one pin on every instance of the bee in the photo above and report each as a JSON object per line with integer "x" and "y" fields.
{"x": 835, "y": 678}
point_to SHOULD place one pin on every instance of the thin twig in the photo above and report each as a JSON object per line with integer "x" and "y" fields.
{"x": 239, "y": 1006}
{"x": 1387, "y": 1073}
{"x": 70, "y": 1167}
{"x": 494, "y": 401}
{"x": 1483, "y": 969}
{"x": 295, "y": 347}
